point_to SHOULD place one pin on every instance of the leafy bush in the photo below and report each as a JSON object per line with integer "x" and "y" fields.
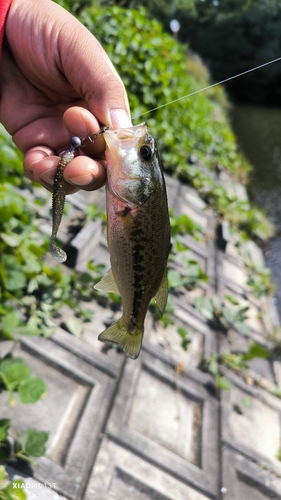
{"x": 250, "y": 37}
{"x": 30, "y": 294}
{"x": 156, "y": 70}
{"x": 153, "y": 67}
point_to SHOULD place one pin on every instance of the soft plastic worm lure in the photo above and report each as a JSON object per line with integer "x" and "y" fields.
{"x": 58, "y": 198}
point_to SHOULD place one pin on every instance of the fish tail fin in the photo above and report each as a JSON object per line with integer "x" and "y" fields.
{"x": 119, "y": 334}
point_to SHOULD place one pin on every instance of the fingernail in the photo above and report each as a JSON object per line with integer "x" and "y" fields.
{"x": 120, "y": 119}
{"x": 48, "y": 176}
{"x": 82, "y": 180}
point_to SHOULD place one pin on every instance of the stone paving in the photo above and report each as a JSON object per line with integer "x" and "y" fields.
{"x": 155, "y": 428}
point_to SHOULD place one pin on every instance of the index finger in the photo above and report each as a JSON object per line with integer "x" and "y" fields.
{"x": 91, "y": 73}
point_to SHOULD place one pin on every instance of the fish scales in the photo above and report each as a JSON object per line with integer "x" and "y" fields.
{"x": 138, "y": 232}
{"x": 137, "y": 243}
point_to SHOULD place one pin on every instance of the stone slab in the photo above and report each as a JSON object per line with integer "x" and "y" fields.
{"x": 273, "y": 260}
{"x": 120, "y": 474}
{"x": 82, "y": 199}
{"x": 234, "y": 273}
{"x": 91, "y": 350}
{"x": 165, "y": 342}
{"x": 33, "y": 489}
{"x": 173, "y": 189}
{"x": 235, "y": 342}
{"x": 195, "y": 215}
{"x": 245, "y": 480}
{"x": 74, "y": 411}
{"x": 170, "y": 422}
{"x": 84, "y": 244}
{"x": 250, "y": 422}
{"x": 191, "y": 196}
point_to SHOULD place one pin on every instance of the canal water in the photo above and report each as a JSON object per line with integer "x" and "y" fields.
{"x": 258, "y": 131}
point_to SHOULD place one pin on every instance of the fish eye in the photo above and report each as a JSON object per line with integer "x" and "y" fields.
{"x": 146, "y": 152}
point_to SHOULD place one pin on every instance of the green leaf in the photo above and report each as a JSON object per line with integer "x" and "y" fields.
{"x": 232, "y": 299}
{"x": 247, "y": 402}
{"x": 182, "y": 331}
{"x": 14, "y": 276}
{"x": 34, "y": 441}
{"x": 174, "y": 278}
{"x": 4, "y": 426}
{"x": 3, "y": 454}
{"x": 32, "y": 390}
{"x": 14, "y": 491}
{"x": 256, "y": 351}
{"x": 10, "y": 240}
{"x": 10, "y": 322}
{"x": 213, "y": 365}
{"x": 241, "y": 327}
{"x": 217, "y": 303}
{"x": 9, "y": 361}
{"x": 3, "y": 474}
{"x": 229, "y": 314}
{"x": 32, "y": 328}
{"x": 223, "y": 383}
{"x": 28, "y": 331}
{"x": 16, "y": 375}
{"x": 205, "y": 307}
{"x": 241, "y": 313}
{"x": 185, "y": 343}
{"x": 74, "y": 327}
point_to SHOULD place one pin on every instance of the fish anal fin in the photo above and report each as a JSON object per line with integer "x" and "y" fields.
{"x": 161, "y": 296}
{"x": 107, "y": 283}
{"x": 119, "y": 334}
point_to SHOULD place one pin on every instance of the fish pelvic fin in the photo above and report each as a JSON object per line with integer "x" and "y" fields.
{"x": 161, "y": 296}
{"x": 107, "y": 283}
{"x": 120, "y": 335}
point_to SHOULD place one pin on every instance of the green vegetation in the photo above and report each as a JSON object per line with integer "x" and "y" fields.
{"x": 153, "y": 68}
{"x": 236, "y": 36}
{"x": 231, "y": 35}
{"x": 31, "y": 294}
{"x": 237, "y": 361}
{"x": 15, "y": 375}
{"x": 27, "y": 447}
{"x": 221, "y": 314}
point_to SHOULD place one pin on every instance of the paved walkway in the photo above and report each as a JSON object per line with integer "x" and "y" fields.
{"x": 156, "y": 428}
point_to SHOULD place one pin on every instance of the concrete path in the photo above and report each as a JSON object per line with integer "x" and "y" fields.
{"x": 156, "y": 428}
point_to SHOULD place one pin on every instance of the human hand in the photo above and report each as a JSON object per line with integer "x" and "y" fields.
{"x": 58, "y": 82}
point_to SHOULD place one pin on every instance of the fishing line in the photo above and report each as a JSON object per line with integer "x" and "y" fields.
{"x": 208, "y": 87}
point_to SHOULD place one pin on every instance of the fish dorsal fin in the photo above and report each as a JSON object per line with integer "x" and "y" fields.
{"x": 161, "y": 296}
{"x": 107, "y": 283}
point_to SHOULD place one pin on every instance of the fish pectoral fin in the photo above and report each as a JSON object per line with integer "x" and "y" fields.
{"x": 107, "y": 283}
{"x": 120, "y": 335}
{"x": 161, "y": 296}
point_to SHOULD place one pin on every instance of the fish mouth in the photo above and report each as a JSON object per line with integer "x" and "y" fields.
{"x": 125, "y": 137}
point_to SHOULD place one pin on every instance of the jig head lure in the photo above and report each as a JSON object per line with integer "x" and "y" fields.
{"x": 59, "y": 191}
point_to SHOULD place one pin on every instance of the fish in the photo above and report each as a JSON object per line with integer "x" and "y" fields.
{"x": 138, "y": 233}
{"x": 58, "y": 198}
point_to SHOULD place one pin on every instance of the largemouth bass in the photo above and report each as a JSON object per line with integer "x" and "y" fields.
{"x": 138, "y": 232}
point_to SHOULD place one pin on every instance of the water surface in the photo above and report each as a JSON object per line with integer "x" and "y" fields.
{"x": 258, "y": 131}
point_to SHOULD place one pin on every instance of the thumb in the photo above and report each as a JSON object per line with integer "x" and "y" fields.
{"x": 91, "y": 73}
